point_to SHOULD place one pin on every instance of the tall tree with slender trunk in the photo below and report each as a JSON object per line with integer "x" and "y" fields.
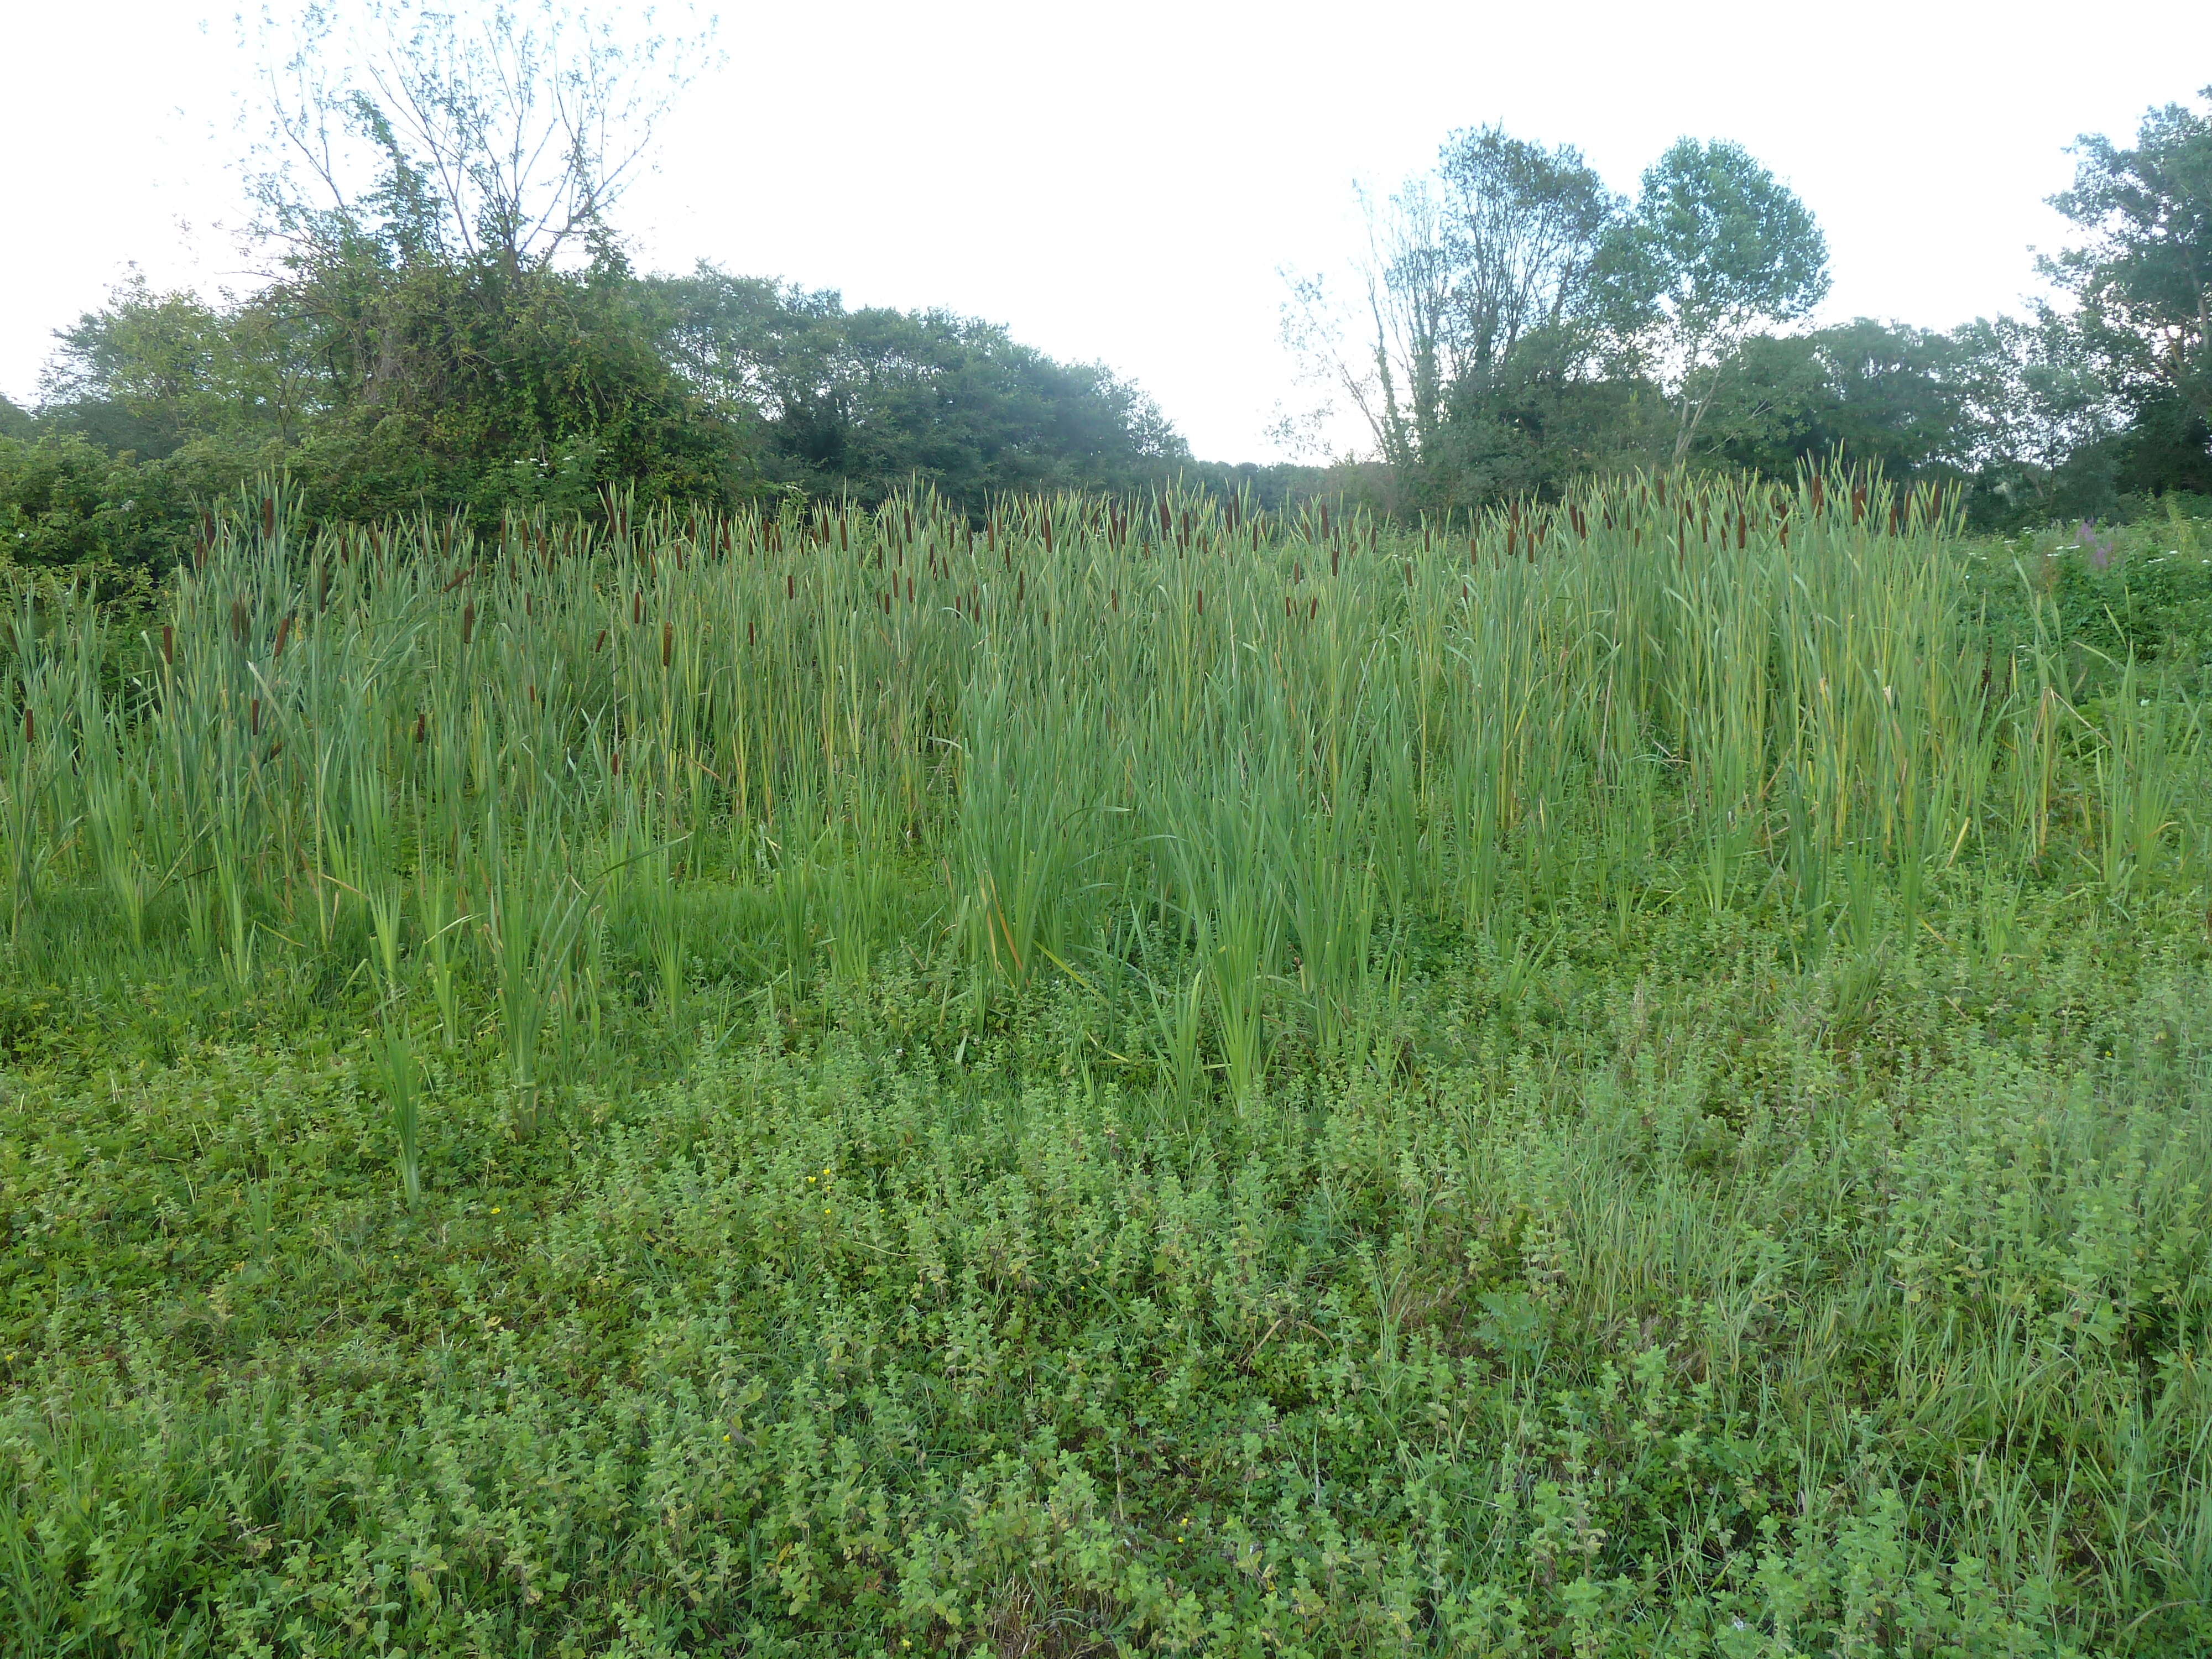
{"x": 1716, "y": 248}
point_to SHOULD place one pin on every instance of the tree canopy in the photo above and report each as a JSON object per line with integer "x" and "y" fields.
{"x": 448, "y": 317}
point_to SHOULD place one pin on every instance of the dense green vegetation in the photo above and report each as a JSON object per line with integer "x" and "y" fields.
{"x": 450, "y": 322}
{"x": 490, "y": 390}
{"x": 690, "y": 972}
{"x": 1160, "y": 1077}
{"x": 1515, "y": 325}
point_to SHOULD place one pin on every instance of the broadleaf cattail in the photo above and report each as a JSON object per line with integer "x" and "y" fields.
{"x": 468, "y": 622}
{"x": 168, "y": 645}
{"x": 668, "y": 641}
{"x": 600, "y": 643}
{"x": 422, "y": 724}
{"x": 283, "y": 633}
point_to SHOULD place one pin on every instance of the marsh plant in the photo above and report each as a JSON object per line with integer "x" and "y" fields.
{"x": 1627, "y": 1071}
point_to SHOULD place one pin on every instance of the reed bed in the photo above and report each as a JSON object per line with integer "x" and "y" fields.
{"x": 1167, "y": 835}
{"x": 1280, "y": 744}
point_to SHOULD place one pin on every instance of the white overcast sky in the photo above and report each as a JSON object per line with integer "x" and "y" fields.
{"x": 1124, "y": 182}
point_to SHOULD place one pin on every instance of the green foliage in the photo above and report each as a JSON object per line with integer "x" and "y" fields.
{"x": 1716, "y": 247}
{"x": 68, "y": 507}
{"x": 2144, "y": 279}
{"x": 454, "y": 328}
{"x": 1110, "y": 1079}
{"x": 2138, "y": 592}
{"x": 1881, "y": 395}
{"x": 1519, "y": 323}
{"x": 439, "y": 383}
{"x": 867, "y": 403}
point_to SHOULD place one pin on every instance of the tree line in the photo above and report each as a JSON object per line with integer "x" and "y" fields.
{"x": 446, "y": 320}
{"x": 1512, "y": 324}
